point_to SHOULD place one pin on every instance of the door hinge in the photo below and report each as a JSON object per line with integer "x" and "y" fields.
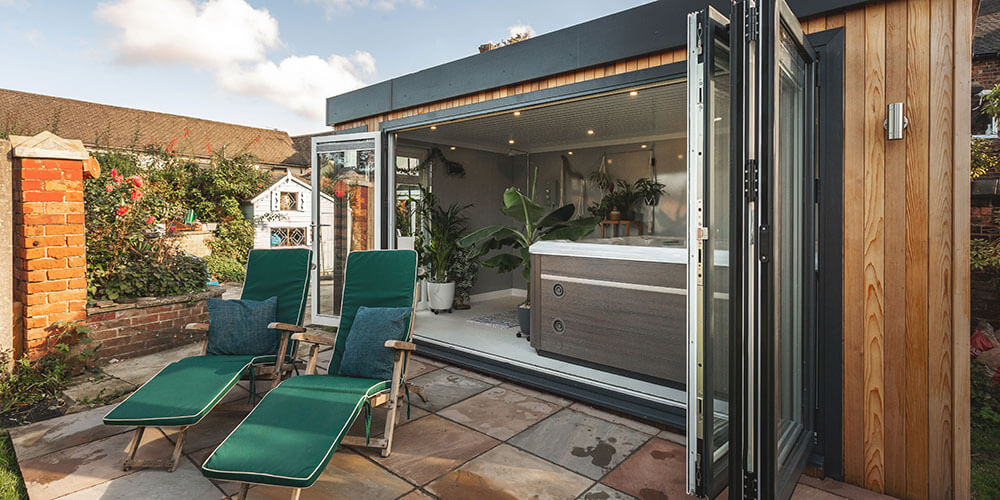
{"x": 750, "y": 24}
{"x": 816, "y": 191}
{"x": 764, "y": 244}
{"x": 750, "y": 485}
{"x": 697, "y": 474}
{"x": 750, "y": 173}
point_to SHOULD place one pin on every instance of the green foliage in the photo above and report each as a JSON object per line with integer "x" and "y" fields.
{"x": 623, "y": 196}
{"x": 534, "y": 224}
{"x": 463, "y": 270}
{"x": 127, "y": 257}
{"x": 225, "y": 268}
{"x": 11, "y": 483}
{"x": 984, "y": 158}
{"x": 24, "y": 383}
{"x": 985, "y": 427}
{"x": 438, "y": 230}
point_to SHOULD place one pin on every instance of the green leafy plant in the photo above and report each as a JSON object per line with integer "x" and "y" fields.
{"x": 622, "y": 196}
{"x": 24, "y": 383}
{"x": 984, "y": 158}
{"x": 464, "y": 268}
{"x": 442, "y": 229}
{"x": 11, "y": 482}
{"x": 534, "y": 224}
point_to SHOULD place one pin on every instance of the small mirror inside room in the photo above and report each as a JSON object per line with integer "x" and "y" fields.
{"x": 619, "y": 159}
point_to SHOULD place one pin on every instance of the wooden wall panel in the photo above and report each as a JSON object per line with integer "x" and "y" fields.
{"x": 853, "y": 265}
{"x": 917, "y": 147}
{"x": 894, "y": 365}
{"x": 940, "y": 248}
{"x": 905, "y": 221}
{"x": 874, "y": 248}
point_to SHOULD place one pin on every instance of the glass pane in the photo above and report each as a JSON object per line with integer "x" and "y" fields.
{"x": 347, "y": 213}
{"x": 716, "y": 258}
{"x": 789, "y": 240}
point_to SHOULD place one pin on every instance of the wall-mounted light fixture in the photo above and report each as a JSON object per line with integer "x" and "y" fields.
{"x": 895, "y": 122}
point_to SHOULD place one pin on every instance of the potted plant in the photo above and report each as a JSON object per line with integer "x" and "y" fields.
{"x": 533, "y": 224}
{"x": 621, "y": 198}
{"x": 441, "y": 229}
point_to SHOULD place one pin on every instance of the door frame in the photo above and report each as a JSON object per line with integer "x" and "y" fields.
{"x": 316, "y": 223}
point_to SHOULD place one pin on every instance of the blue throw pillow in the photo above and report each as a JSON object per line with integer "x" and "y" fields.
{"x": 240, "y": 327}
{"x": 365, "y": 353}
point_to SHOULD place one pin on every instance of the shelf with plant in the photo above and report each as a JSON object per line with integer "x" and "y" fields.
{"x": 621, "y": 198}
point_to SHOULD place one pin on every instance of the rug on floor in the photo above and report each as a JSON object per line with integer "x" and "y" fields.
{"x": 506, "y": 319}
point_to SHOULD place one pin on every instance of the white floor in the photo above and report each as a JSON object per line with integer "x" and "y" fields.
{"x": 456, "y": 331}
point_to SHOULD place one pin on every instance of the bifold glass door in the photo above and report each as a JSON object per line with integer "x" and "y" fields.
{"x": 346, "y": 214}
{"x": 708, "y": 283}
{"x": 752, "y": 251}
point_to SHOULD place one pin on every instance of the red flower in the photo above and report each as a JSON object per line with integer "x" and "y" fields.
{"x": 122, "y": 210}
{"x": 114, "y": 172}
{"x": 150, "y": 220}
{"x": 136, "y": 181}
{"x": 136, "y": 195}
{"x": 118, "y": 180}
{"x": 109, "y": 188}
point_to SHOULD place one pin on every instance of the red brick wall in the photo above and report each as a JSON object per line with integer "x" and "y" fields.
{"x": 986, "y": 72}
{"x": 985, "y": 299}
{"x": 147, "y": 326}
{"x": 49, "y": 260}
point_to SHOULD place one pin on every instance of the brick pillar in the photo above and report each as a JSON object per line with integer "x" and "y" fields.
{"x": 49, "y": 256}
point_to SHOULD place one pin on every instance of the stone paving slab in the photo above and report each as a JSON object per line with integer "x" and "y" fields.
{"x": 499, "y": 412}
{"x": 655, "y": 471}
{"x": 141, "y": 369}
{"x": 47, "y": 436}
{"x": 506, "y": 473}
{"x": 349, "y": 476}
{"x": 152, "y": 484}
{"x": 80, "y": 467}
{"x": 443, "y": 388}
{"x": 604, "y": 492}
{"x": 581, "y": 443}
{"x": 430, "y": 447}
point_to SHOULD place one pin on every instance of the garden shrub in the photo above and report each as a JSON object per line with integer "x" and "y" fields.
{"x": 127, "y": 256}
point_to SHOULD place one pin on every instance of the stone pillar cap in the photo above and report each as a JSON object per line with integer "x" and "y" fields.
{"x": 48, "y": 145}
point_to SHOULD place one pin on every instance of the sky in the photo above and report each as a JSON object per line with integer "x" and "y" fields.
{"x": 264, "y": 63}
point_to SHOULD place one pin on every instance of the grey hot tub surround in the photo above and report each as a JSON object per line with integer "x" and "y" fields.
{"x": 616, "y": 302}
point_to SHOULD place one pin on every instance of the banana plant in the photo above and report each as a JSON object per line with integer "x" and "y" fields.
{"x": 535, "y": 224}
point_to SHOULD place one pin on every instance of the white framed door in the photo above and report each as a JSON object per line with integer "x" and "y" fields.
{"x": 347, "y": 202}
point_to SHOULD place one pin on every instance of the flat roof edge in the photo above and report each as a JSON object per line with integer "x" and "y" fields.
{"x": 645, "y": 29}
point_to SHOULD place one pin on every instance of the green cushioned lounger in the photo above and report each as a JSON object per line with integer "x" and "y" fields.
{"x": 290, "y": 436}
{"x": 183, "y": 392}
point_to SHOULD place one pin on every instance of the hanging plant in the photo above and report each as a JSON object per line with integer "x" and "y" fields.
{"x": 452, "y": 168}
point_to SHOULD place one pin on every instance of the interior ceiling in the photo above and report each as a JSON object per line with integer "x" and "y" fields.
{"x": 654, "y": 113}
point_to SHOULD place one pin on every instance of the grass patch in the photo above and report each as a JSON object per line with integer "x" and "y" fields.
{"x": 985, "y": 428}
{"x": 11, "y": 483}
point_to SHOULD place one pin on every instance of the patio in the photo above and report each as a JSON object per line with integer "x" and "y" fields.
{"x": 475, "y": 437}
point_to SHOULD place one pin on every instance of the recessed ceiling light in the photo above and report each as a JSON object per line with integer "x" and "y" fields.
{"x": 590, "y": 132}
{"x": 511, "y": 141}
{"x": 570, "y": 153}
{"x": 517, "y": 113}
{"x": 610, "y": 161}
{"x": 453, "y": 148}
{"x": 434, "y": 127}
{"x": 633, "y": 93}
{"x": 643, "y": 146}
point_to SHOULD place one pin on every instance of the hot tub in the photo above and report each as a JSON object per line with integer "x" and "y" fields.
{"x": 613, "y": 303}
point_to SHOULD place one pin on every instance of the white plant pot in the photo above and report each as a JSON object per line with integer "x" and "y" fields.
{"x": 406, "y": 242}
{"x": 441, "y": 295}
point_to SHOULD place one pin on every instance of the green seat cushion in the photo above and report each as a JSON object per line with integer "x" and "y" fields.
{"x": 365, "y": 354}
{"x": 183, "y": 392}
{"x": 289, "y": 437}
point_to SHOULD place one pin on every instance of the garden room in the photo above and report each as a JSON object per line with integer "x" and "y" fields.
{"x": 618, "y": 157}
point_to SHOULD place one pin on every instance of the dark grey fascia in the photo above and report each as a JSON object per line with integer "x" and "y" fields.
{"x": 641, "y": 30}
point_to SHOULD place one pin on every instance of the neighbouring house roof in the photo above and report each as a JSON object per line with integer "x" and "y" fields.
{"x": 293, "y": 178}
{"x": 303, "y": 147}
{"x": 116, "y": 127}
{"x": 986, "y": 40}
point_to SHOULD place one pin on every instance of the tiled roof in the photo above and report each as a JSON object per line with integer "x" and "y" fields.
{"x": 106, "y": 126}
{"x": 303, "y": 147}
{"x": 986, "y": 40}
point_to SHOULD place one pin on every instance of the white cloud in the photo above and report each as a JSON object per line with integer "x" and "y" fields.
{"x": 520, "y": 28}
{"x": 205, "y": 34}
{"x": 231, "y": 39}
{"x": 299, "y": 83}
{"x": 334, "y": 7}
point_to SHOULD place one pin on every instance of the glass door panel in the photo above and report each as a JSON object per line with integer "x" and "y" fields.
{"x": 346, "y": 215}
{"x": 708, "y": 252}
